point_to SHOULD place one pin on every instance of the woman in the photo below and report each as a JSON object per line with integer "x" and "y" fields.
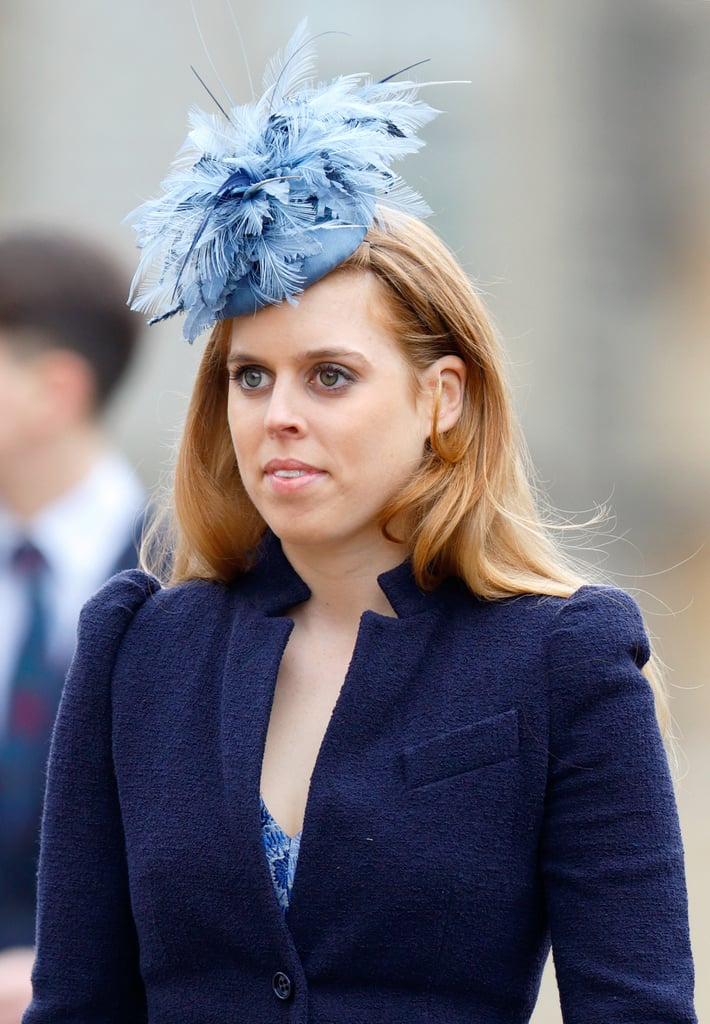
{"x": 374, "y": 746}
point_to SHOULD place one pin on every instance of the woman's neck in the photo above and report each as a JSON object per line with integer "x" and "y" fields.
{"x": 343, "y": 583}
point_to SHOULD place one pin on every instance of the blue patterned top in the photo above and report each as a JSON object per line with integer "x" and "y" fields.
{"x": 281, "y": 855}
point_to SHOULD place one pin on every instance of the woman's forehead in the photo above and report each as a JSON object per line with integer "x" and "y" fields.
{"x": 340, "y": 305}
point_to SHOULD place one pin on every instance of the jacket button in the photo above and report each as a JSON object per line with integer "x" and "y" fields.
{"x": 282, "y": 986}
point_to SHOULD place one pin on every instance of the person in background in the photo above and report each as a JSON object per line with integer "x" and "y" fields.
{"x": 371, "y": 746}
{"x": 70, "y": 507}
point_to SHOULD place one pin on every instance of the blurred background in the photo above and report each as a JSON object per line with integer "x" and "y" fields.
{"x": 572, "y": 179}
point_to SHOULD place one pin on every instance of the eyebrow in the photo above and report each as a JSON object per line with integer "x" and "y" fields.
{"x": 311, "y": 355}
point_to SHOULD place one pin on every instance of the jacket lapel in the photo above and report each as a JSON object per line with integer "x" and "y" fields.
{"x": 390, "y": 652}
{"x": 389, "y": 655}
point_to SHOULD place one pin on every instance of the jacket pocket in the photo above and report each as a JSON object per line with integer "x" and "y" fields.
{"x": 454, "y": 753}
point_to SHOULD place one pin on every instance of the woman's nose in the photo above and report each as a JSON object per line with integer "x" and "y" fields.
{"x": 284, "y": 412}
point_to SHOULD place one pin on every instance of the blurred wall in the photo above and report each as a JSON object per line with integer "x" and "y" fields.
{"x": 571, "y": 177}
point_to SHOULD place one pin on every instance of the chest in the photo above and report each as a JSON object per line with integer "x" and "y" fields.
{"x": 430, "y": 769}
{"x": 433, "y": 723}
{"x": 310, "y": 677}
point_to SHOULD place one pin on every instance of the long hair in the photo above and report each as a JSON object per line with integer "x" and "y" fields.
{"x": 470, "y": 509}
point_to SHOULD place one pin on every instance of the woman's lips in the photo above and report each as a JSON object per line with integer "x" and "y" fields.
{"x": 287, "y": 475}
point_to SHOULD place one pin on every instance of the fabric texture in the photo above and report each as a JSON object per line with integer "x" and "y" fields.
{"x": 281, "y": 851}
{"x": 492, "y": 779}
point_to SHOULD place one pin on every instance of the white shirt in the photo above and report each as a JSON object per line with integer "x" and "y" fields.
{"x": 81, "y": 535}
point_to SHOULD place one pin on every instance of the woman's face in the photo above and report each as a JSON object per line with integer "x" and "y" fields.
{"x": 325, "y": 418}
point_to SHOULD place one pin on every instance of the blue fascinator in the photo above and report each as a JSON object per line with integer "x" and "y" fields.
{"x": 266, "y": 198}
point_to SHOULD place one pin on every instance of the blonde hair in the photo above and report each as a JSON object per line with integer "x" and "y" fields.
{"x": 470, "y": 509}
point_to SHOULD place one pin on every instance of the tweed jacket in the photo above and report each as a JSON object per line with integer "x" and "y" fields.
{"x": 491, "y": 780}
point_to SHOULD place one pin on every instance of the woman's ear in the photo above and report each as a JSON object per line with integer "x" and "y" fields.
{"x": 447, "y": 380}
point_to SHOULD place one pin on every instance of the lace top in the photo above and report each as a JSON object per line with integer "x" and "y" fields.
{"x": 281, "y": 855}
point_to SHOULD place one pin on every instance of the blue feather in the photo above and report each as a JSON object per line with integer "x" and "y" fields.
{"x": 249, "y": 209}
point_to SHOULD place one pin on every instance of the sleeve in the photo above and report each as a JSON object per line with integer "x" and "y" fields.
{"x": 86, "y": 968}
{"x": 611, "y": 854}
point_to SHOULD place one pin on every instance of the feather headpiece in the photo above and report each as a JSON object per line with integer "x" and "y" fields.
{"x": 266, "y": 198}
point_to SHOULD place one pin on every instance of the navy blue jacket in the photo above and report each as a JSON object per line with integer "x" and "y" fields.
{"x": 492, "y": 778}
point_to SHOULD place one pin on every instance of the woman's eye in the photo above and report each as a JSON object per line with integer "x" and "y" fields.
{"x": 332, "y": 377}
{"x": 249, "y": 378}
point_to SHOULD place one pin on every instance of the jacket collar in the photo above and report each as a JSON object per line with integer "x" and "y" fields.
{"x": 274, "y": 586}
